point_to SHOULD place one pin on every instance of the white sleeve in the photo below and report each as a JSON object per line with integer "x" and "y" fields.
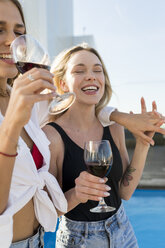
{"x": 104, "y": 116}
{"x": 42, "y": 112}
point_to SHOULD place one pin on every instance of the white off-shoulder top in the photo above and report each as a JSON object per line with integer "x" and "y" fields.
{"x": 28, "y": 182}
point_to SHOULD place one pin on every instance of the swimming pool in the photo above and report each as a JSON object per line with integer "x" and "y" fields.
{"x": 146, "y": 211}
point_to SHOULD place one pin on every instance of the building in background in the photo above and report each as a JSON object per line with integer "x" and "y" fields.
{"x": 51, "y": 22}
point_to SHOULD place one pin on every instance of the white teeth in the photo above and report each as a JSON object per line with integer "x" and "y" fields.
{"x": 6, "y": 56}
{"x": 90, "y": 88}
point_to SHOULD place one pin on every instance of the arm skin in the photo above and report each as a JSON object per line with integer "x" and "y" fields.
{"x": 138, "y": 124}
{"x": 22, "y": 99}
{"x": 131, "y": 171}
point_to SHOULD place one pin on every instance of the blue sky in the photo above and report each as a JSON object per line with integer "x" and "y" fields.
{"x": 130, "y": 36}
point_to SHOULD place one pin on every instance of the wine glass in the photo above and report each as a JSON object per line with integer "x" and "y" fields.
{"x": 27, "y": 53}
{"x": 98, "y": 158}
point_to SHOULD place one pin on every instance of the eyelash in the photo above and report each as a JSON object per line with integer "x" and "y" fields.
{"x": 17, "y": 33}
{"x": 83, "y": 71}
{"x": 79, "y": 71}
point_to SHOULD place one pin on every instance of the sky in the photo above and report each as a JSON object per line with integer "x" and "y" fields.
{"x": 130, "y": 37}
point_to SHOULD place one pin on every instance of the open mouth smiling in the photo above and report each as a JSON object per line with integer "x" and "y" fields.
{"x": 5, "y": 56}
{"x": 91, "y": 88}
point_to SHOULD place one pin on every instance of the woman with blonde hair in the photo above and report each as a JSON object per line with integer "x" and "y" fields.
{"x": 138, "y": 124}
{"x": 81, "y": 70}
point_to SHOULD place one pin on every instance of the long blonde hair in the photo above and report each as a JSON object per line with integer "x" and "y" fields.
{"x": 59, "y": 68}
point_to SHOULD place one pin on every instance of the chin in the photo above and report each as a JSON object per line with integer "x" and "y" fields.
{"x": 8, "y": 71}
{"x": 12, "y": 74}
{"x": 94, "y": 103}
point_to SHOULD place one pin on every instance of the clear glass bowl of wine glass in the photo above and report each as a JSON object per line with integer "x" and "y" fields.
{"x": 98, "y": 158}
{"x": 27, "y": 53}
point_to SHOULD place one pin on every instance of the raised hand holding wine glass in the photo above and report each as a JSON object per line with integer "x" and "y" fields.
{"x": 28, "y": 53}
{"x": 99, "y": 158}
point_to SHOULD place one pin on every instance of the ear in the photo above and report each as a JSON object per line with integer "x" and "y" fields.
{"x": 63, "y": 86}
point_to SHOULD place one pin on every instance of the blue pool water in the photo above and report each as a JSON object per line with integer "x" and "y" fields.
{"x": 146, "y": 211}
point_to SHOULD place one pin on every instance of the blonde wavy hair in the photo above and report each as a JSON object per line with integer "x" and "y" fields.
{"x": 59, "y": 67}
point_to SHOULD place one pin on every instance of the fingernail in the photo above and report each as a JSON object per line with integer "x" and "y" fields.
{"x": 101, "y": 180}
{"x": 152, "y": 143}
{"x": 107, "y": 188}
{"x": 106, "y": 193}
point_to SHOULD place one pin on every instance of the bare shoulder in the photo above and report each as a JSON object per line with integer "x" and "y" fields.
{"x": 117, "y": 132}
{"x": 51, "y": 133}
{"x": 56, "y": 142}
{"x": 57, "y": 151}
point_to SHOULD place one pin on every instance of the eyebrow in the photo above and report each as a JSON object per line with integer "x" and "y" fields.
{"x": 2, "y": 23}
{"x": 98, "y": 65}
{"x": 80, "y": 64}
{"x": 17, "y": 25}
{"x": 20, "y": 25}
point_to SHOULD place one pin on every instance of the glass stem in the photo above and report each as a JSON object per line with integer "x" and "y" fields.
{"x": 102, "y": 202}
{"x": 57, "y": 97}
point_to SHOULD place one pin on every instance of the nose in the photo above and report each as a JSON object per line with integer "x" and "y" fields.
{"x": 90, "y": 76}
{"x": 10, "y": 37}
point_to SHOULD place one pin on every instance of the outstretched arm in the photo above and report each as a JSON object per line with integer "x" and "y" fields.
{"x": 138, "y": 124}
{"x": 133, "y": 171}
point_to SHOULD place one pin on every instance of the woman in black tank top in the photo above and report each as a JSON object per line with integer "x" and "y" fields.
{"x": 81, "y": 69}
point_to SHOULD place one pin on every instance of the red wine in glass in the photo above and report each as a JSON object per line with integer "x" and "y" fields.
{"x": 98, "y": 158}
{"x": 98, "y": 169}
{"x": 26, "y": 66}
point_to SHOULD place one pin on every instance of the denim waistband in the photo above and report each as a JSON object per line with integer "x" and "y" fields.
{"x": 37, "y": 240}
{"x": 93, "y": 226}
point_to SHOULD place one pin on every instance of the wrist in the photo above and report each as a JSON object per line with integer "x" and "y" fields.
{"x": 76, "y": 198}
{"x": 10, "y": 135}
{"x": 141, "y": 145}
{"x": 72, "y": 199}
{"x": 119, "y": 117}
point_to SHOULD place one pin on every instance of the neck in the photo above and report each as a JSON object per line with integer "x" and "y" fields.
{"x": 83, "y": 117}
{"x": 4, "y": 92}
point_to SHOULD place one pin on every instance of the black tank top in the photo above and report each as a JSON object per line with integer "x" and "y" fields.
{"x": 73, "y": 164}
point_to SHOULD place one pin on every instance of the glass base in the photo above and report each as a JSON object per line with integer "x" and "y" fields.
{"x": 61, "y": 103}
{"x": 102, "y": 209}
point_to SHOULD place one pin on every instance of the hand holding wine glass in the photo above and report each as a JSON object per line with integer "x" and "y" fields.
{"x": 27, "y": 54}
{"x": 98, "y": 158}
